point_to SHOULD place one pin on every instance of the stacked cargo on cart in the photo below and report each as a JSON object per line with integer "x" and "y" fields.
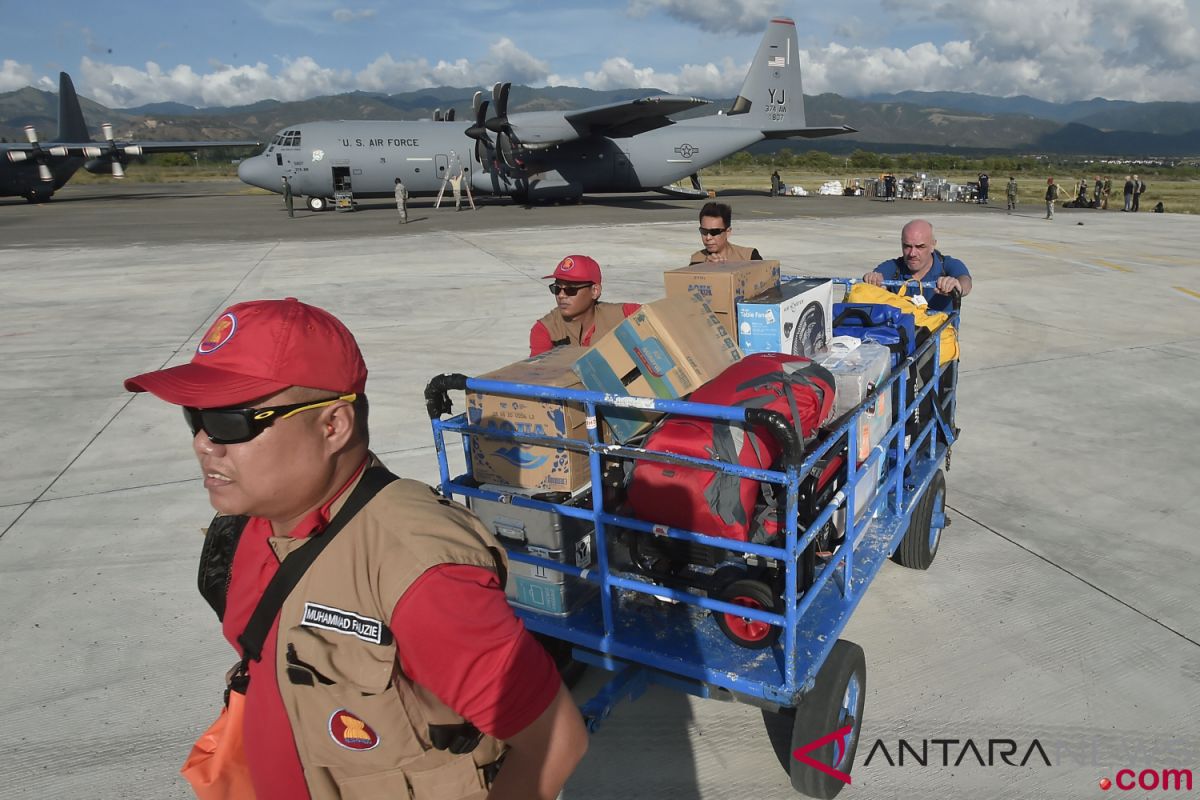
{"x": 688, "y": 515}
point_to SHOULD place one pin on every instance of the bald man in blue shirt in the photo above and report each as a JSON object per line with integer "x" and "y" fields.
{"x": 920, "y": 260}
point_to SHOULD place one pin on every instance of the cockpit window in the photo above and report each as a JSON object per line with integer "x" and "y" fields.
{"x": 291, "y": 139}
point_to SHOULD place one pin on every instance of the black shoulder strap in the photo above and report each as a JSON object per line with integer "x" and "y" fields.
{"x": 297, "y": 563}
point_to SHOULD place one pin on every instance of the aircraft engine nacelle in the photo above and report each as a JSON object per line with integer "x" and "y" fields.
{"x": 512, "y": 152}
{"x": 98, "y": 166}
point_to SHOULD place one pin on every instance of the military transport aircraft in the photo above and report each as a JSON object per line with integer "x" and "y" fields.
{"x": 545, "y": 155}
{"x": 37, "y": 170}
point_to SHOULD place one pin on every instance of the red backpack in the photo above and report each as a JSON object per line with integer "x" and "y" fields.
{"x": 717, "y": 503}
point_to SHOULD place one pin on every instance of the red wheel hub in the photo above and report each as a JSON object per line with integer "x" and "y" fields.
{"x": 750, "y": 630}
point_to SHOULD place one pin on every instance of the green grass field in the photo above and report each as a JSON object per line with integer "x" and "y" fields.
{"x": 1178, "y": 195}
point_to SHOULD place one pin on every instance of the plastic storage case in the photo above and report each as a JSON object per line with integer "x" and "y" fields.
{"x": 549, "y": 536}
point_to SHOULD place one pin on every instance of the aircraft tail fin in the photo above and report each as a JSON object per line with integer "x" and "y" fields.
{"x": 772, "y": 96}
{"x": 71, "y": 125}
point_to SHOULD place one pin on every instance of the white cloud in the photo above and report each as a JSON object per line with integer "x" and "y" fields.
{"x": 1067, "y": 50}
{"x": 15, "y": 76}
{"x": 121, "y": 86}
{"x": 714, "y": 16}
{"x": 504, "y": 61}
{"x": 707, "y": 80}
{"x": 349, "y": 15}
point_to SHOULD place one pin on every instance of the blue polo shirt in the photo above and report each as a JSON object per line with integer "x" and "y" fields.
{"x": 896, "y": 270}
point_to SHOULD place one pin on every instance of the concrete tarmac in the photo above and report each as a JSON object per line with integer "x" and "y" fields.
{"x": 1061, "y": 606}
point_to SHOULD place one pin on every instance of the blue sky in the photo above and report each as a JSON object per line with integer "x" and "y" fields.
{"x": 225, "y": 52}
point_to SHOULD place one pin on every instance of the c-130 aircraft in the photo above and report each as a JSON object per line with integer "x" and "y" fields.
{"x": 545, "y": 155}
{"x": 37, "y": 170}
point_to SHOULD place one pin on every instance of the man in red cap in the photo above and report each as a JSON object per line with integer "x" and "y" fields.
{"x": 579, "y": 317}
{"x": 395, "y": 662}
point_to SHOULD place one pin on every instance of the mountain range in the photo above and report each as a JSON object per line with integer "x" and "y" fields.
{"x": 914, "y": 121}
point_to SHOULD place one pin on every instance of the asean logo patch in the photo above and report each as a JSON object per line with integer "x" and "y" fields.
{"x": 351, "y": 732}
{"x": 566, "y": 265}
{"x": 221, "y": 332}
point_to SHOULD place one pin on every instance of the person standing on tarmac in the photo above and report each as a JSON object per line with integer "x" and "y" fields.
{"x": 579, "y": 318}
{"x": 1011, "y": 192}
{"x": 1051, "y": 197}
{"x": 402, "y": 201}
{"x": 287, "y": 197}
{"x": 395, "y": 666}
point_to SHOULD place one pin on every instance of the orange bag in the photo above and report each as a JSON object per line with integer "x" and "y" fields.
{"x": 216, "y": 768}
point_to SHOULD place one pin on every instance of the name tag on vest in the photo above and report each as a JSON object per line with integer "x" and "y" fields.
{"x": 339, "y": 621}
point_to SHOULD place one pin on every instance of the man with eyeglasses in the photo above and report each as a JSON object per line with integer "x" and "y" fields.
{"x": 716, "y": 224}
{"x": 397, "y": 639}
{"x": 579, "y": 317}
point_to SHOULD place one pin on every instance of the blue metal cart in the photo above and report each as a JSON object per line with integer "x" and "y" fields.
{"x": 649, "y": 630}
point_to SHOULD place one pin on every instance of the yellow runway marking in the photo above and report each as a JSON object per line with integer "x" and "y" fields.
{"x": 1187, "y": 292}
{"x": 1111, "y": 265}
{"x": 1048, "y": 247}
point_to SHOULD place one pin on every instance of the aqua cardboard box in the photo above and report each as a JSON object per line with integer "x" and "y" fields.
{"x": 793, "y": 318}
{"x": 722, "y": 284}
{"x": 530, "y": 466}
{"x": 666, "y": 349}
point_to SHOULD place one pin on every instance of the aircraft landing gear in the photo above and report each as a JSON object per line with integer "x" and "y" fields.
{"x": 36, "y": 197}
{"x": 317, "y": 203}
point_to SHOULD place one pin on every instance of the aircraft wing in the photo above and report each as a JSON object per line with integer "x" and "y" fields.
{"x": 632, "y": 116}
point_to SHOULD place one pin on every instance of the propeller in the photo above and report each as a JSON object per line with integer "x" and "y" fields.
{"x": 507, "y": 143}
{"x": 478, "y": 131}
{"x": 450, "y": 115}
{"x": 38, "y": 154}
{"x": 112, "y": 153}
{"x": 437, "y": 115}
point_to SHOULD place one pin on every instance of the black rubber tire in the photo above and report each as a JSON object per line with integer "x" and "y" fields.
{"x": 920, "y": 543}
{"x": 751, "y": 634}
{"x": 317, "y": 203}
{"x": 821, "y": 713}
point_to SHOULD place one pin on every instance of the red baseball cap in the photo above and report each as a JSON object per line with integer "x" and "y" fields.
{"x": 259, "y": 348}
{"x": 576, "y": 269}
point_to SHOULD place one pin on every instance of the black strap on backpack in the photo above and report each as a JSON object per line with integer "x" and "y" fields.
{"x": 297, "y": 563}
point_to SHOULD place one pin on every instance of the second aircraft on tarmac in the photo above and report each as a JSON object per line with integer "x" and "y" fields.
{"x": 545, "y": 155}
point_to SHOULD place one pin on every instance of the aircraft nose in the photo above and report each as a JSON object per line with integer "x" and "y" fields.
{"x": 256, "y": 171}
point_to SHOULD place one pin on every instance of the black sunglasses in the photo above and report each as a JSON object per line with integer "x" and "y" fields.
{"x": 237, "y": 425}
{"x": 712, "y": 231}
{"x": 569, "y": 291}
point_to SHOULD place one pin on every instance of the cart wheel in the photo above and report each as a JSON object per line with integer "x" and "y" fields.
{"x": 748, "y": 633}
{"x": 924, "y": 534}
{"x": 836, "y": 701}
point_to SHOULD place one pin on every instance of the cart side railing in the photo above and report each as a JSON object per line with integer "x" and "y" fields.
{"x": 835, "y": 585}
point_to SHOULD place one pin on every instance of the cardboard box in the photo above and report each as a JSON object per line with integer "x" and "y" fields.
{"x": 665, "y": 349}
{"x": 523, "y": 465}
{"x": 722, "y": 285}
{"x": 794, "y": 318}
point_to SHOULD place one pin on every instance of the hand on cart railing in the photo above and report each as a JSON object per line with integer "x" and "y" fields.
{"x": 437, "y": 393}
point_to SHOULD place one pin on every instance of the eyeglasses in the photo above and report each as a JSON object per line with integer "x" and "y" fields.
{"x": 237, "y": 425}
{"x": 712, "y": 231}
{"x": 569, "y": 291}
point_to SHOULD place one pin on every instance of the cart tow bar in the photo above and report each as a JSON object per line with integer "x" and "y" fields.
{"x": 630, "y": 682}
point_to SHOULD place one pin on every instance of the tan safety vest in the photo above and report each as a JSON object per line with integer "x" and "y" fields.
{"x": 608, "y": 316}
{"x": 736, "y": 253}
{"x": 362, "y": 728}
